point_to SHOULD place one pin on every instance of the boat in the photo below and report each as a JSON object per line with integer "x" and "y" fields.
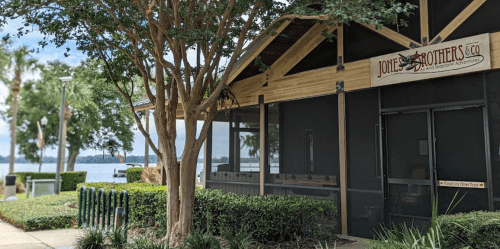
{"x": 123, "y": 173}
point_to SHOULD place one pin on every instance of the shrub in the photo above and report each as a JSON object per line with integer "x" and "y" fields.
{"x": 151, "y": 175}
{"x": 20, "y": 187}
{"x": 145, "y": 243}
{"x": 69, "y": 179}
{"x": 118, "y": 187}
{"x": 240, "y": 240}
{"x": 134, "y": 174}
{"x": 91, "y": 239}
{"x": 477, "y": 229}
{"x": 270, "y": 218}
{"x": 117, "y": 238}
{"x": 45, "y": 212}
{"x": 199, "y": 240}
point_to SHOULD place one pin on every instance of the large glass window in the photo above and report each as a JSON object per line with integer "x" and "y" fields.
{"x": 273, "y": 134}
{"x": 246, "y": 135}
{"x": 220, "y": 142}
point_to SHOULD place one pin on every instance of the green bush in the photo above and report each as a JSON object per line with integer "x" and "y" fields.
{"x": 145, "y": 243}
{"x": 199, "y": 240}
{"x": 91, "y": 239}
{"x": 238, "y": 240}
{"x": 134, "y": 174}
{"x": 117, "y": 238}
{"x": 477, "y": 229}
{"x": 45, "y": 212}
{"x": 270, "y": 218}
{"x": 69, "y": 179}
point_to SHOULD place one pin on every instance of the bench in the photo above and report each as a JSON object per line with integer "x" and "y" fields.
{"x": 40, "y": 187}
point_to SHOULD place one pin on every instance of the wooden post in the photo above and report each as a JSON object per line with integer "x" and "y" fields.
{"x": 262, "y": 153}
{"x": 340, "y": 45}
{"x": 342, "y": 137}
{"x": 343, "y": 162}
{"x": 424, "y": 22}
{"x": 207, "y": 158}
{"x": 146, "y": 146}
{"x": 118, "y": 218}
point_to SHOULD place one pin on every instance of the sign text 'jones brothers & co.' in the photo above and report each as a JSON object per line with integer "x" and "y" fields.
{"x": 465, "y": 55}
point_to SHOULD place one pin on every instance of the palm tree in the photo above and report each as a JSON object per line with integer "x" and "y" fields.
{"x": 18, "y": 62}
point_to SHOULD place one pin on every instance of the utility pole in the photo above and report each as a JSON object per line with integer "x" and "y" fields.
{"x": 60, "y": 159}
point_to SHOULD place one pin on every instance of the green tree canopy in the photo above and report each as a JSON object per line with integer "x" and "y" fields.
{"x": 100, "y": 117}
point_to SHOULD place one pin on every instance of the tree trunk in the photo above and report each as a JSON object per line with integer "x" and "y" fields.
{"x": 13, "y": 124}
{"x": 188, "y": 163}
{"x": 71, "y": 160}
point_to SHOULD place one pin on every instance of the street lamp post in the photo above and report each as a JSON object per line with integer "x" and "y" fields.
{"x": 44, "y": 122}
{"x": 60, "y": 160}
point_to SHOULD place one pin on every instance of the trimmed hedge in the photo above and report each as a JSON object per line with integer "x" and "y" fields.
{"x": 69, "y": 179}
{"x": 477, "y": 229}
{"x": 45, "y": 212}
{"x": 270, "y": 218}
{"x": 134, "y": 175}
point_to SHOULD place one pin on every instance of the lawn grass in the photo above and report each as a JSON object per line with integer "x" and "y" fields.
{"x": 45, "y": 212}
{"x": 20, "y": 196}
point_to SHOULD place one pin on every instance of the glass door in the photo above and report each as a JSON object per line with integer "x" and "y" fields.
{"x": 408, "y": 156}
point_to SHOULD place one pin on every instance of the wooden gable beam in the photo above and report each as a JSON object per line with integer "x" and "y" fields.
{"x": 310, "y": 40}
{"x": 318, "y": 82}
{"x": 393, "y": 35}
{"x": 453, "y": 25}
{"x": 260, "y": 47}
{"x": 424, "y": 22}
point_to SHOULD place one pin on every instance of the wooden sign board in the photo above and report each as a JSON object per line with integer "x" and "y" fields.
{"x": 458, "y": 184}
{"x": 471, "y": 54}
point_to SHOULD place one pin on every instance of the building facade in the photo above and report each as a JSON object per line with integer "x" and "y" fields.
{"x": 381, "y": 121}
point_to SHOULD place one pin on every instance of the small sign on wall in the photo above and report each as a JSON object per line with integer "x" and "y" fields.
{"x": 471, "y": 54}
{"x": 458, "y": 184}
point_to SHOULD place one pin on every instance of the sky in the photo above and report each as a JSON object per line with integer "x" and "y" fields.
{"x": 51, "y": 53}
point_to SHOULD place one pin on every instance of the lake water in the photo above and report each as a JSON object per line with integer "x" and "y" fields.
{"x": 104, "y": 172}
{"x": 95, "y": 172}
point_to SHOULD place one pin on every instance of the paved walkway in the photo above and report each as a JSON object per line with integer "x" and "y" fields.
{"x": 12, "y": 237}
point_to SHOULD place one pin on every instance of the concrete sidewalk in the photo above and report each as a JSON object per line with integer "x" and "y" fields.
{"x": 12, "y": 237}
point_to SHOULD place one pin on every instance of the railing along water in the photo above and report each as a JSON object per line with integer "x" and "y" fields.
{"x": 105, "y": 205}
